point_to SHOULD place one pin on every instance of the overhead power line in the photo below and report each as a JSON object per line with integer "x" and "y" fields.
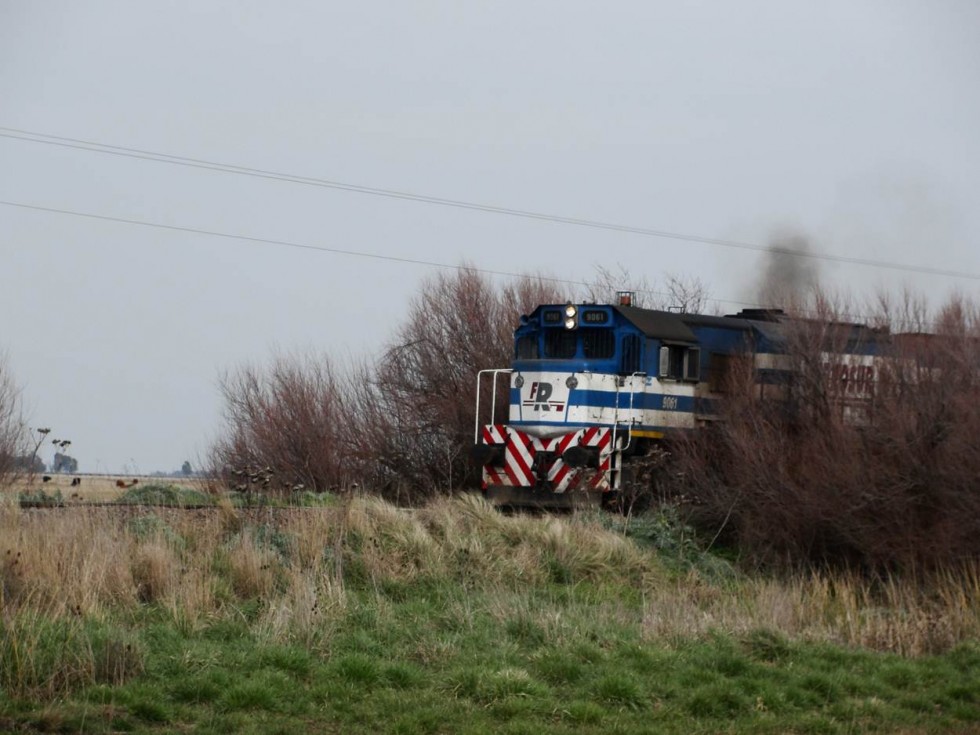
{"x": 142, "y": 154}
{"x": 246, "y": 238}
{"x": 324, "y": 248}
{"x": 378, "y": 256}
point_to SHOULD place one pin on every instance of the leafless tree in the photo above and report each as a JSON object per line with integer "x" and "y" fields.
{"x": 676, "y": 293}
{"x": 284, "y": 426}
{"x": 606, "y": 282}
{"x": 686, "y": 294}
{"x": 13, "y": 434}
{"x": 881, "y": 473}
{"x": 424, "y": 383}
{"x": 401, "y": 425}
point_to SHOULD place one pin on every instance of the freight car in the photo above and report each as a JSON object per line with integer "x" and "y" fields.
{"x": 593, "y": 385}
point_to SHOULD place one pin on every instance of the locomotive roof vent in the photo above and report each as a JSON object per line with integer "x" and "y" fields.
{"x": 762, "y": 315}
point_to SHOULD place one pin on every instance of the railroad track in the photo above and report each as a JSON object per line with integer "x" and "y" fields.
{"x": 137, "y": 508}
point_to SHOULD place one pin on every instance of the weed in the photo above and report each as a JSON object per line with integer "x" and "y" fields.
{"x": 526, "y": 631}
{"x": 164, "y": 495}
{"x": 151, "y": 526}
{"x": 559, "y": 667}
{"x": 619, "y": 689}
{"x": 717, "y": 701}
{"x": 586, "y": 713}
{"x": 359, "y": 670}
{"x": 117, "y": 657}
{"x": 40, "y": 499}
{"x": 767, "y": 645}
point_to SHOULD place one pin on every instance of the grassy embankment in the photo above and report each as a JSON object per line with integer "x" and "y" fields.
{"x": 360, "y": 617}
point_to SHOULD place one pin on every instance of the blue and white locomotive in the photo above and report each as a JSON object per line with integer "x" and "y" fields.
{"x": 592, "y": 383}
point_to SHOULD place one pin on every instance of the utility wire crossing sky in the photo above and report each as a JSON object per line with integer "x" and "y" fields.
{"x": 116, "y": 150}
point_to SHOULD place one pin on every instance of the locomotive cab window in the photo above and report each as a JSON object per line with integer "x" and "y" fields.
{"x": 680, "y": 363}
{"x": 630, "y": 359}
{"x": 527, "y": 347}
{"x": 560, "y": 344}
{"x": 598, "y": 343}
{"x": 692, "y": 364}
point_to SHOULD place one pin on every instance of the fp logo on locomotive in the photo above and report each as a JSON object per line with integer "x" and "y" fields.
{"x": 539, "y": 395}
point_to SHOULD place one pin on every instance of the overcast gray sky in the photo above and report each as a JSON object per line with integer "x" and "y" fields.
{"x": 853, "y": 122}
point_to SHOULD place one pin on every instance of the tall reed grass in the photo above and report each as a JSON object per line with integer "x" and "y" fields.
{"x": 63, "y": 572}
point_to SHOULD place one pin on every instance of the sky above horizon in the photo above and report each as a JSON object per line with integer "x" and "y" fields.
{"x": 852, "y": 125}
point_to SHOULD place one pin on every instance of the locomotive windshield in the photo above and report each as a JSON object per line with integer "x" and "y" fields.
{"x": 560, "y": 344}
{"x": 527, "y": 347}
{"x": 598, "y": 343}
{"x": 564, "y": 344}
{"x": 568, "y": 333}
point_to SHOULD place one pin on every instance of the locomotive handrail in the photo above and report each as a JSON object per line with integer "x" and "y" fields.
{"x": 629, "y": 431}
{"x": 493, "y": 400}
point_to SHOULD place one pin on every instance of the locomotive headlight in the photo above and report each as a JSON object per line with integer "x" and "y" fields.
{"x": 571, "y": 316}
{"x": 571, "y": 382}
{"x": 519, "y": 382}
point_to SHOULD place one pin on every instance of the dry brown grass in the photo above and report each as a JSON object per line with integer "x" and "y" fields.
{"x": 254, "y": 568}
{"x": 61, "y": 564}
{"x": 91, "y": 562}
{"x": 910, "y": 617}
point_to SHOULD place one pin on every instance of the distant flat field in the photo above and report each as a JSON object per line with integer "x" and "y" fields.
{"x": 96, "y": 488}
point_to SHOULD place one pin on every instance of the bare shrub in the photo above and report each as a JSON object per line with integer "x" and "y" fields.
{"x": 13, "y": 435}
{"x": 677, "y": 293}
{"x": 285, "y": 427}
{"x": 879, "y": 476}
{"x": 686, "y": 294}
{"x": 418, "y": 406}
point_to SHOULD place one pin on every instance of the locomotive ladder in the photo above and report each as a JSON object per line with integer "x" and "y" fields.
{"x": 629, "y": 423}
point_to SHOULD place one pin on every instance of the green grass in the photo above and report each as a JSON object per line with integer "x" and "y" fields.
{"x": 538, "y": 628}
{"x": 165, "y": 495}
{"x": 40, "y": 499}
{"x": 430, "y": 665}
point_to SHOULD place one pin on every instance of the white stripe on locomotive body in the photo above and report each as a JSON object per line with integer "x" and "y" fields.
{"x": 638, "y": 402}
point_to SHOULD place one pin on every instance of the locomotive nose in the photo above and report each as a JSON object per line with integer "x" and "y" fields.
{"x": 579, "y": 456}
{"x": 487, "y": 454}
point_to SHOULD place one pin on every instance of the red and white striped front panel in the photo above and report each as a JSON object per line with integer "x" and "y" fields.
{"x": 520, "y": 450}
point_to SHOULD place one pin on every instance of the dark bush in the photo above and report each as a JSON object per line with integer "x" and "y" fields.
{"x": 286, "y": 427}
{"x": 401, "y": 426}
{"x": 882, "y": 480}
{"x": 13, "y": 435}
{"x": 417, "y": 409}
